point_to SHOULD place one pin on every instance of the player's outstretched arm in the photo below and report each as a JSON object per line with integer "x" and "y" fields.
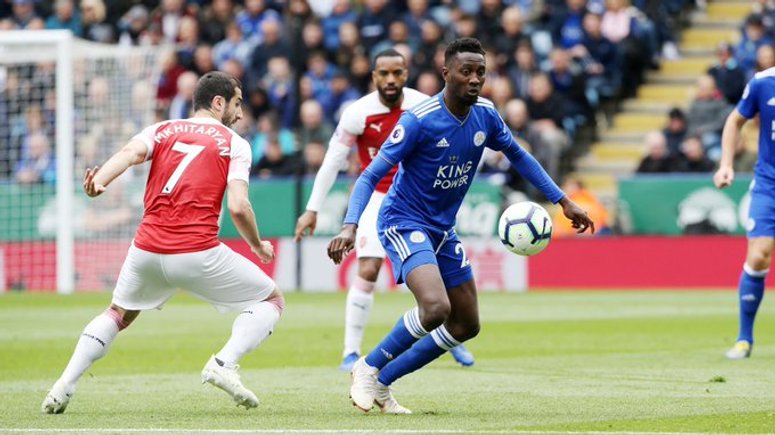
{"x": 729, "y": 137}
{"x": 244, "y": 220}
{"x": 96, "y": 179}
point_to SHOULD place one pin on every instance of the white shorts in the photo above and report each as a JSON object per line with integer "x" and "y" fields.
{"x": 220, "y": 276}
{"x": 367, "y": 242}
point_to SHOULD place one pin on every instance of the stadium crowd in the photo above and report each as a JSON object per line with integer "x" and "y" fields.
{"x": 554, "y": 67}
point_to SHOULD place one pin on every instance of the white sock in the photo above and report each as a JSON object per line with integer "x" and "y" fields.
{"x": 93, "y": 345}
{"x": 251, "y": 327}
{"x": 360, "y": 299}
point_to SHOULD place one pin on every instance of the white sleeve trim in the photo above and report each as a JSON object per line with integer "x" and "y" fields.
{"x": 335, "y": 158}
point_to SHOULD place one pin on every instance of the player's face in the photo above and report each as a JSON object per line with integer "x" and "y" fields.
{"x": 465, "y": 76}
{"x": 389, "y": 77}
{"x": 233, "y": 110}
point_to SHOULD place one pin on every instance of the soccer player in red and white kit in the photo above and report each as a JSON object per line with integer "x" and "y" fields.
{"x": 193, "y": 162}
{"x": 366, "y": 125}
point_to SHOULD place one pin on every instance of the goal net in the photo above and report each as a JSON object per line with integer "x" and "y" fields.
{"x": 65, "y": 105}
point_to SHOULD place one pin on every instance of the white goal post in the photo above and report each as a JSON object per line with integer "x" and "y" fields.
{"x": 80, "y": 99}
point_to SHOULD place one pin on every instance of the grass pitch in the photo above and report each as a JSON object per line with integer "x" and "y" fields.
{"x": 552, "y": 362}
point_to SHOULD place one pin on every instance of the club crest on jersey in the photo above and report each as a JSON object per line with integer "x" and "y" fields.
{"x": 398, "y": 134}
{"x": 479, "y": 138}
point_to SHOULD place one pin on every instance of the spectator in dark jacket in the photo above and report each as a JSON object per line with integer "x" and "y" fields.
{"x": 730, "y": 78}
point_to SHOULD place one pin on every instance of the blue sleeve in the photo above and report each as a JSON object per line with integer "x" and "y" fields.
{"x": 364, "y": 187}
{"x": 528, "y": 167}
{"x": 502, "y": 138}
{"x": 747, "y": 105}
{"x": 402, "y": 139}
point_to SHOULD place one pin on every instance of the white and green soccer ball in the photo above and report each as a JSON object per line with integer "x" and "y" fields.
{"x": 525, "y": 228}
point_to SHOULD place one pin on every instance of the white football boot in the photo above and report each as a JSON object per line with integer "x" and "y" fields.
{"x": 228, "y": 380}
{"x": 741, "y": 350}
{"x": 57, "y": 398}
{"x": 387, "y": 403}
{"x": 363, "y": 390}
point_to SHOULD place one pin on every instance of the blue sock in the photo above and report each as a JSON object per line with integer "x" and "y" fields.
{"x": 423, "y": 352}
{"x": 751, "y": 291}
{"x": 407, "y": 331}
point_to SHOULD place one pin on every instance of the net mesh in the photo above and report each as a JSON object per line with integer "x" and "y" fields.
{"x": 114, "y": 95}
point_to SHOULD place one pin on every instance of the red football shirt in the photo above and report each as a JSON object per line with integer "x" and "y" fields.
{"x": 192, "y": 160}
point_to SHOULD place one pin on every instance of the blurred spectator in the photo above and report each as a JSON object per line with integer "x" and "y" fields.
{"x": 314, "y": 126}
{"x": 181, "y": 106}
{"x": 619, "y": 25}
{"x": 341, "y": 93}
{"x": 313, "y": 157}
{"x": 374, "y": 21}
{"x": 269, "y": 126}
{"x": 707, "y": 113}
{"x": 167, "y": 17}
{"x": 39, "y": 166}
{"x": 729, "y": 76}
{"x": 570, "y": 82}
{"x": 24, "y": 15}
{"x": 414, "y": 18}
{"x": 273, "y": 162}
{"x": 466, "y": 27}
{"x": 280, "y": 87}
{"x": 675, "y": 131}
{"x": 498, "y": 89}
{"x": 65, "y": 16}
{"x": 251, "y": 18}
{"x": 93, "y": 18}
{"x": 765, "y": 57}
{"x": 546, "y": 142}
{"x": 754, "y": 36}
{"x": 658, "y": 159}
{"x": 525, "y": 68}
{"x": 545, "y": 106}
{"x": 215, "y": 18}
{"x": 431, "y": 38}
{"x": 745, "y": 160}
{"x": 599, "y": 59}
{"x": 167, "y": 85}
{"x": 567, "y": 26}
{"x": 508, "y": 39}
{"x": 693, "y": 158}
{"x": 233, "y": 47}
{"x": 349, "y": 46}
{"x": 340, "y": 14}
{"x": 429, "y": 83}
{"x": 203, "y": 60}
{"x": 187, "y": 41}
{"x": 574, "y": 189}
{"x": 272, "y": 46}
{"x": 532, "y": 11}
{"x": 133, "y": 26}
{"x": 234, "y": 69}
{"x": 489, "y": 21}
{"x": 360, "y": 73}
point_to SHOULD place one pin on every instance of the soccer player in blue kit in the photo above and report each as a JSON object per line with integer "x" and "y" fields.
{"x": 438, "y": 144}
{"x": 758, "y": 98}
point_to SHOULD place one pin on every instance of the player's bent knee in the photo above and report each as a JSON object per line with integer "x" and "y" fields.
{"x": 463, "y": 332}
{"x": 434, "y": 313}
{"x": 121, "y": 316}
{"x": 277, "y": 300}
{"x": 368, "y": 268}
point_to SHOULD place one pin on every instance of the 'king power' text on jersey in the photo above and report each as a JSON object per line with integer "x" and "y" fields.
{"x": 439, "y": 154}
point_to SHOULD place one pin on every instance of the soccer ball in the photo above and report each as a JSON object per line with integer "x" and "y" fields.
{"x": 525, "y": 228}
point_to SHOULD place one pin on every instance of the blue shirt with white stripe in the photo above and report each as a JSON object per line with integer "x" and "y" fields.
{"x": 438, "y": 154}
{"x": 759, "y": 98}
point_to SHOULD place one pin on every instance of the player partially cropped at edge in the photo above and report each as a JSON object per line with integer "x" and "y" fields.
{"x": 365, "y": 124}
{"x": 757, "y": 99}
{"x": 438, "y": 145}
{"x": 193, "y": 162}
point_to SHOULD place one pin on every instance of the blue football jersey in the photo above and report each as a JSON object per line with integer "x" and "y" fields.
{"x": 759, "y": 97}
{"x": 438, "y": 154}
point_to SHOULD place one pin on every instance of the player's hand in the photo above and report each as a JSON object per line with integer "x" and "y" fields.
{"x": 724, "y": 176}
{"x": 307, "y": 221}
{"x": 264, "y": 251}
{"x": 89, "y": 186}
{"x": 342, "y": 244}
{"x": 577, "y": 215}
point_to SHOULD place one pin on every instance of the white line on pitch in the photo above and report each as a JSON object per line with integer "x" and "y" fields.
{"x": 333, "y": 431}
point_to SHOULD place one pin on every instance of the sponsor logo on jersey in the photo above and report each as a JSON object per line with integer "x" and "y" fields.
{"x": 479, "y": 138}
{"x": 453, "y": 176}
{"x": 397, "y": 135}
{"x": 377, "y": 127}
{"x": 442, "y": 143}
{"x": 771, "y": 101}
{"x": 417, "y": 237}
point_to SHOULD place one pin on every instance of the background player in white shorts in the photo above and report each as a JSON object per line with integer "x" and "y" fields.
{"x": 366, "y": 124}
{"x": 193, "y": 162}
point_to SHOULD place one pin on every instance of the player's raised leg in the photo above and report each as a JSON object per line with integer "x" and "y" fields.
{"x": 93, "y": 345}
{"x": 360, "y": 300}
{"x": 751, "y": 292}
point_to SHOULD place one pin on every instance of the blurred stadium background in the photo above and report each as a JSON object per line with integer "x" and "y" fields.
{"x": 622, "y": 101}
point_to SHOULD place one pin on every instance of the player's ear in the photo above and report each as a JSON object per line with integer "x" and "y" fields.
{"x": 444, "y": 72}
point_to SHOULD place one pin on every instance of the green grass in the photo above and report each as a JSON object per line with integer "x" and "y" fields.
{"x": 546, "y": 363}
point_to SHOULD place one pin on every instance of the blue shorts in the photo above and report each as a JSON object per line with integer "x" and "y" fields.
{"x": 411, "y": 246}
{"x": 761, "y": 215}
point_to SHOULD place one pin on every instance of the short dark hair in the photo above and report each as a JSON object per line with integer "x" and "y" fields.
{"x": 462, "y": 45}
{"x": 388, "y": 52}
{"x": 213, "y": 84}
